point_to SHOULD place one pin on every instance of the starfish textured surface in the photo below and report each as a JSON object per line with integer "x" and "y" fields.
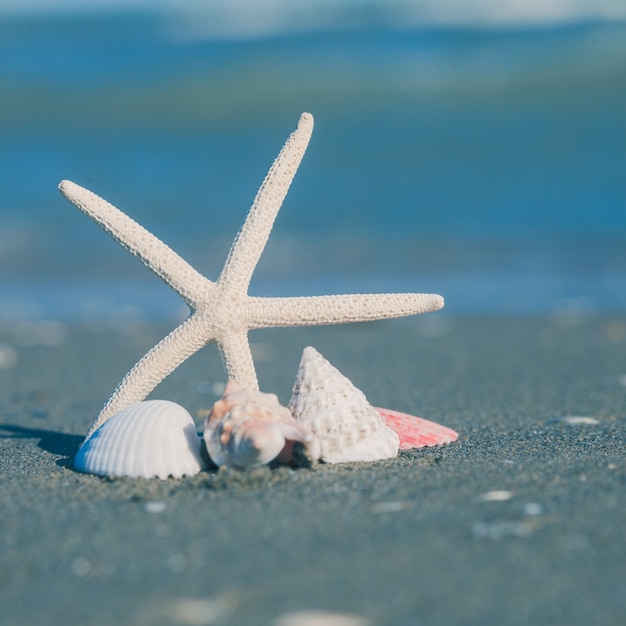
{"x": 222, "y": 311}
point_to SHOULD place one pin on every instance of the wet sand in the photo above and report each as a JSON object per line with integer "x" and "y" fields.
{"x": 419, "y": 540}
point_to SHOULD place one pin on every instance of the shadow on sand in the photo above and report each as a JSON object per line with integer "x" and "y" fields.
{"x": 57, "y": 443}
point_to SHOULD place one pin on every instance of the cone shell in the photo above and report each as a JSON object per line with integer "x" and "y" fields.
{"x": 247, "y": 428}
{"x": 147, "y": 439}
{"x": 416, "y": 432}
{"x": 347, "y": 426}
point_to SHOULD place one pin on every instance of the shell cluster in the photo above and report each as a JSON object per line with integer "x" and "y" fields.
{"x": 327, "y": 419}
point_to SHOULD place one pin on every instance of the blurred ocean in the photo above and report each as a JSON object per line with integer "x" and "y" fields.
{"x": 483, "y": 160}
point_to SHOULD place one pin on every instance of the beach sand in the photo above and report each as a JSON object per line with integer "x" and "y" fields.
{"x": 410, "y": 541}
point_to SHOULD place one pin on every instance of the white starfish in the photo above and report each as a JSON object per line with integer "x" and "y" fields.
{"x": 223, "y": 311}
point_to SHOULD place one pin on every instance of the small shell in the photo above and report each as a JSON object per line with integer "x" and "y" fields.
{"x": 147, "y": 439}
{"x": 248, "y": 428}
{"x": 416, "y": 432}
{"x": 346, "y": 425}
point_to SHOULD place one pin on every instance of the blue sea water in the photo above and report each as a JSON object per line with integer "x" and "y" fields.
{"x": 484, "y": 163}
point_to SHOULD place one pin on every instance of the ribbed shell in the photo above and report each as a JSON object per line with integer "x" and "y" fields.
{"x": 347, "y": 427}
{"x": 416, "y": 432}
{"x": 147, "y": 439}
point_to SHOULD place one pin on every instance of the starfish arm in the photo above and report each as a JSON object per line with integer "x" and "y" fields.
{"x": 341, "y": 309}
{"x": 160, "y": 258}
{"x": 163, "y": 359}
{"x": 237, "y": 359}
{"x": 252, "y": 237}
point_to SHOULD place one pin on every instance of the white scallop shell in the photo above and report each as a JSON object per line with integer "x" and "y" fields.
{"x": 347, "y": 427}
{"x": 247, "y": 428}
{"x": 147, "y": 439}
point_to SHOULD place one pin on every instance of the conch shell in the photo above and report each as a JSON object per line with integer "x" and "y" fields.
{"x": 247, "y": 428}
{"x": 347, "y": 426}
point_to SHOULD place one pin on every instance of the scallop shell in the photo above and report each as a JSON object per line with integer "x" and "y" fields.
{"x": 416, "y": 432}
{"x": 347, "y": 426}
{"x": 247, "y": 428}
{"x": 147, "y": 439}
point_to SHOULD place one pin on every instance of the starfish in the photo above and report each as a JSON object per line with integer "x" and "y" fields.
{"x": 222, "y": 311}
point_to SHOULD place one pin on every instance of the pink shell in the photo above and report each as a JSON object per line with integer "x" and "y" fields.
{"x": 416, "y": 432}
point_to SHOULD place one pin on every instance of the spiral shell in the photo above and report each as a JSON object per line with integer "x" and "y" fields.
{"x": 347, "y": 427}
{"x": 247, "y": 428}
{"x": 147, "y": 439}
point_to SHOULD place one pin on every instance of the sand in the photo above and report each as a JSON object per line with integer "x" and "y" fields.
{"x": 519, "y": 522}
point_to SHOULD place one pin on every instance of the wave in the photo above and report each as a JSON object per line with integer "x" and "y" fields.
{"x": 207, "y": 19}
{"x": 247, "y": 18}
